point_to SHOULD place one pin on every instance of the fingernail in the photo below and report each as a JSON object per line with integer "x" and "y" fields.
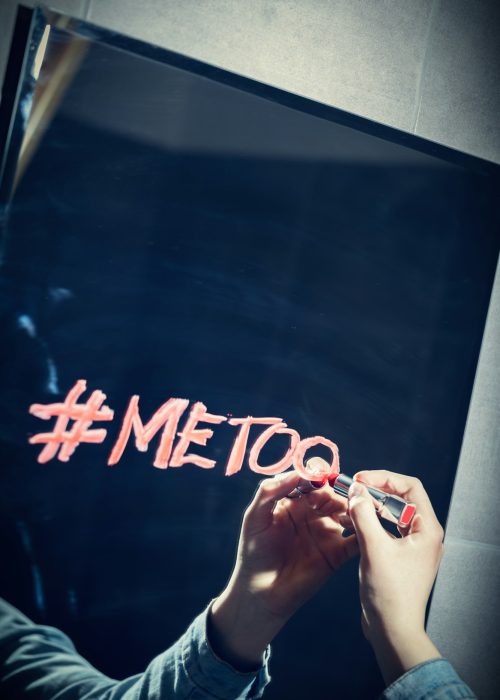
{"x": 355, "y": 489}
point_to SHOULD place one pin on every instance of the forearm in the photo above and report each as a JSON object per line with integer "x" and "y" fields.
{"x": 43, "y": 662}
{"x": 239, "y": 630}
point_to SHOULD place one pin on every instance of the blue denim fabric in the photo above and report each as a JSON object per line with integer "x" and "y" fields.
{"x": 432, "y": 680}
{"x": 41, "y": 663}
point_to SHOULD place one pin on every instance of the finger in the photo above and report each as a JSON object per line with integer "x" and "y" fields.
{"x": 364, "y": 517}
{"x": 269, "y": 492}
{"x": 317, "y": 466}
{"x": 340, "y": 543}
{"x": 326, "y": 501}
{"x": 407, "y": 487}
{"x": 351, "y": 546}
{"x": 299, "y": 508}
{"x": 346, "y": 522}
{"x": 418, "y": 526}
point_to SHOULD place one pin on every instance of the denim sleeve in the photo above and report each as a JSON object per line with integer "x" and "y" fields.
{"x": 41, "y": 663}
{"x": 432, "y": 680}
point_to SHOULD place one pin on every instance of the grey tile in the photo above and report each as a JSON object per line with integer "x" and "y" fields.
{"x": 362, "y": 57}
{"x": 473, "y": 511}
{"x": 464, "y": 620}
{"x": 8, "y": 10}
{"x": 460, "y": 96}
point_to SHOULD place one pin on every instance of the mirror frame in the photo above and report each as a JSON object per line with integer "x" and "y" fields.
{"x": 20, "y": 81}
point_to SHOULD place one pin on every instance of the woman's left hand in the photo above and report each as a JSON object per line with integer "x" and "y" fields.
{"x": 287, "y": 550}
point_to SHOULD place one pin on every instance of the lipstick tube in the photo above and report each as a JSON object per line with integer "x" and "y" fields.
{"x": 390, "y": 507}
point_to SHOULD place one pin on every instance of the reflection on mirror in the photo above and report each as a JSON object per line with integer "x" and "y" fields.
{"x": 181, "y": 234}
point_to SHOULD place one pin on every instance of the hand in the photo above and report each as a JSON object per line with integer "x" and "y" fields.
{"x": 396, "y": 574}
{"x": 286, "y": 552}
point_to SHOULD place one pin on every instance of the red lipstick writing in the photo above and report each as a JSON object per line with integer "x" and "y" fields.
{"x": 73, "y": 418}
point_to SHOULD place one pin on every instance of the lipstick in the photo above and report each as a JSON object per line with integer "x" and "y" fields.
{"x": 389, "y": 506}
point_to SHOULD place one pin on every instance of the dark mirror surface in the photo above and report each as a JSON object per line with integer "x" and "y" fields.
{"x": 169, "y": 235}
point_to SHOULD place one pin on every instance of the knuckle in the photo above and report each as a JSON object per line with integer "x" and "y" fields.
{"x": 439, "y": 553}
{"x": 356, "y": 503}
{"x": 437, "y": 540}
{"x": 265, "y": 485}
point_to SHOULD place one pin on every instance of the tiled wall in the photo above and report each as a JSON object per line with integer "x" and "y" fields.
{"x": 423, "y": 66}
{"x": 429, "y": 67}
{"x": 465, "y": 613}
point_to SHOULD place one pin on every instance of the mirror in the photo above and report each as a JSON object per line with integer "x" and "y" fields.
{"x": 172, "y": 230}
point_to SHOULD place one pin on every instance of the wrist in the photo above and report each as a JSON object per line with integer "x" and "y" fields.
{"x": 399, "y": 649}
{"x": 240, "y": 629}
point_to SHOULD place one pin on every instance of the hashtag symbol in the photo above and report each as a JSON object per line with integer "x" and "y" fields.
{"x": 83, "y": 415}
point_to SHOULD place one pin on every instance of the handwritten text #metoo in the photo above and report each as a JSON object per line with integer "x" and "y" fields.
{"x": 173, "y": 448}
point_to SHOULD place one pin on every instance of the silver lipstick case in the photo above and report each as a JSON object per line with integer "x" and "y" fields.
{"x": 390, "y": 507}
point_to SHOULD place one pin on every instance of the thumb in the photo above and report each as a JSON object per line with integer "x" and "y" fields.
{"x": 364, "y": 517}
{"x": 259, "y": 512}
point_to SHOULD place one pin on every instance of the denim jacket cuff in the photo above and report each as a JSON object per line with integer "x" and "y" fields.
{"x": 215, "y": 676}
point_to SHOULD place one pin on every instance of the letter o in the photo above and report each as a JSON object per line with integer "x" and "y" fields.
{"x": 266, "y": 435}
{"x": 305, "y": 445}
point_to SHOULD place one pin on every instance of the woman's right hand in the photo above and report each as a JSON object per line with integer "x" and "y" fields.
{"x": 396, "y": 574}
